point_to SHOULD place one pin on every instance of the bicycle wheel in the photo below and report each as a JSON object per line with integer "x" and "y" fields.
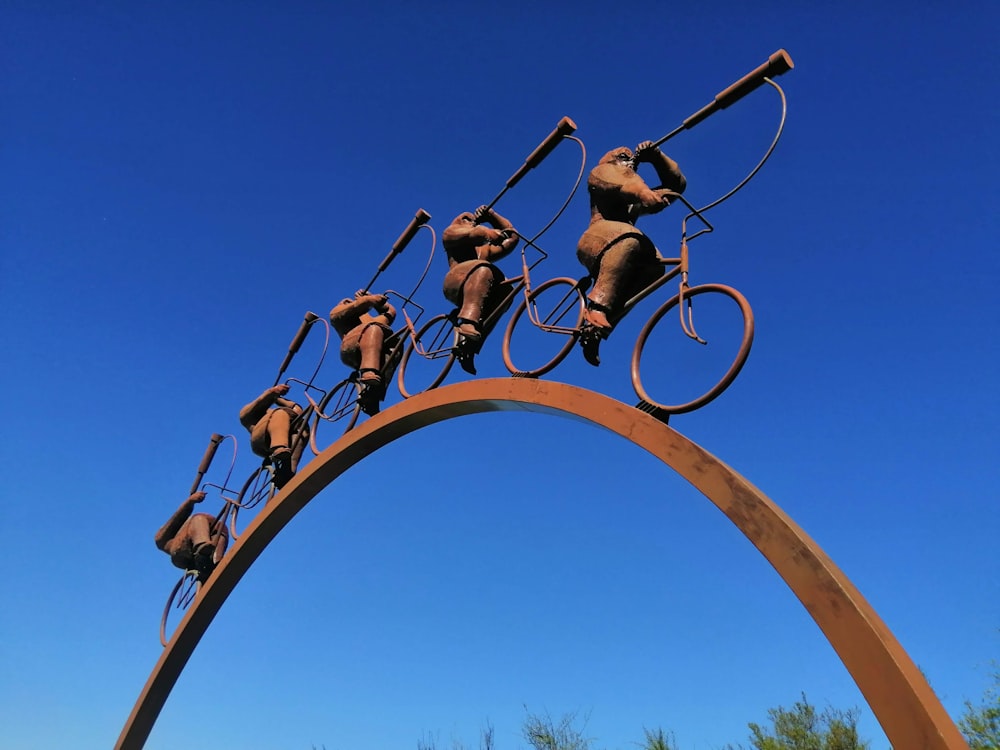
{"x": 180, "y": 597}
{"x": 716, "y": 317}
{"x": 257, "y": 490}
{"x": 555, "y": 312}
{"x": 341, "y": 405}
{"x": 434, "y": 345}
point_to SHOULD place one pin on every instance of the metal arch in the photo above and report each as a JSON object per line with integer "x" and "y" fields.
{"x": 898, "y": 694}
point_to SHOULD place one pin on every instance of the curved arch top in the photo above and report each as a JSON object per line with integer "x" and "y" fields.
{"x": 899, "y": 696}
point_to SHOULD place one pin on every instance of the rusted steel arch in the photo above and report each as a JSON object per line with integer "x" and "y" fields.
{"x": 902, "y": 701}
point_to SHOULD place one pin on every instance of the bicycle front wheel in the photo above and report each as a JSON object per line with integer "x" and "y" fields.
{"x": 722, "y": 318}
{"x": 342, "y": 404}
{"x": 257, "y": 490}
{"x": 434, "y": 346}
{"x": 554, "y": 311}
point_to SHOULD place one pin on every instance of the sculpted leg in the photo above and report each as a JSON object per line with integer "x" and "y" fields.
{"x": 475, "y": 290}
{"x": 278, "y": 427}
{"x": 198, "y": 529}
{"x": 614, "y": 275}
{"x": 371, "y": 349}
{"x": 369, "y": 373}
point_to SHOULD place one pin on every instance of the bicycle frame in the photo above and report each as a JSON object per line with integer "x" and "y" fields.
{"x": 517, "y": 284}
{"x": 680, "y": 267}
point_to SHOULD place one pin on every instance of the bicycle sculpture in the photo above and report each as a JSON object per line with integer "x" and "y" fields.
{"x": 197, "y": 563}
{"x": 345, "y": 401}
{"x": 558, "y": 307}
{"x": 358, "y": 393}
{"x": 563, "y": 312}
{"x": 445, "y": 337}
{"x": 420, "y": 358}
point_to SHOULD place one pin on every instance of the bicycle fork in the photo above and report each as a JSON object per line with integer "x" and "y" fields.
{"x": 686, "y": 311}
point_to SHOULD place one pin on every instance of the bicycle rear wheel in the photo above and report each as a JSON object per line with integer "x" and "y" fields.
{"x": 725, "y": 320}
{"x": 555, "y": 312}
{"x": 180, "y": 598}
{"x": 434, "y": 346}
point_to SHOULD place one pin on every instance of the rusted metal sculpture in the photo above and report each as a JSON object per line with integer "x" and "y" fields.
{"x": 620, "y": 259}
{"x": 364, "y": 342}
{"x": 473, "y": 282}
{"x": 634, "y": 268}
{"x": 458, "y": 334}
{"x": 268, "y": 419}
{"x": 899, "y": 696}
{"x": 370, "y": 346}
{"x": 196, "y": 542}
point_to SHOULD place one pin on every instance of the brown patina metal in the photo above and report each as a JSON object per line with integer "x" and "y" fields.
{"x": 898, "y": 694}
{"x": 473, "y": 283}
{"x": 622, "y": 262}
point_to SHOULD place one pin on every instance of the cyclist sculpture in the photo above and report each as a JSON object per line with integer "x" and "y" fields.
{"x": 194, "y": 542}
{"x": 472, "y": 278}
{"x": 363, "y": 345}
{"x": 270, "y": 430}
{"x": 621, "y": 260}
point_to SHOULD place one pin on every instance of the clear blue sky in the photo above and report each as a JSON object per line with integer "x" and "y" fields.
{"x": 179, "y": 184}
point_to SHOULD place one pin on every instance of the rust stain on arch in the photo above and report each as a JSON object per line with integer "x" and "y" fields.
{"x": 899, "y": 696}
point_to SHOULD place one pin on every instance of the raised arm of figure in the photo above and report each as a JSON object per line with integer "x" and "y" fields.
{"x": 169, "y": 530}
{"x": 251, "y": 413}
{"x": 386, "y": 312}
{"x": 666, "y": 168}
{"x": 464, "y": 231}
{"x": 503, "y": 242}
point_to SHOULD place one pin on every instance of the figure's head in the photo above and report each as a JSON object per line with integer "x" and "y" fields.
{"x": 465, "y": 218}
{"x": 622, "y": 156}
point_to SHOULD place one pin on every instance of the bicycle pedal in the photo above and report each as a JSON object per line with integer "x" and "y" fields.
{"x": 654, "y": 411}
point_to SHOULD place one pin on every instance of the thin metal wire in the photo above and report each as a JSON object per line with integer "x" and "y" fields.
{"x": 767, "y": 155}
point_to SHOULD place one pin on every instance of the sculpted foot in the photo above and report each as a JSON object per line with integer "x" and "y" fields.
{"x": 372, "y": 391}
{"x": 591, "y": 336}
{"x": 281, "y": 462}
{"x": 204, "y": 554}
{"x": 597, "y": 318}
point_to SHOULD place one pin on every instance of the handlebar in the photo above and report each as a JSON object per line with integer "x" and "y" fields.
{"x": 778, "y": 63}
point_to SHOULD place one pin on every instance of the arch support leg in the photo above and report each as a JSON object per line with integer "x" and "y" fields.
{"x": 899, "y": 696}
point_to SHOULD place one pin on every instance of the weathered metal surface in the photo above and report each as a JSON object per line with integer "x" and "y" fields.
{"x": 902, "y": 701}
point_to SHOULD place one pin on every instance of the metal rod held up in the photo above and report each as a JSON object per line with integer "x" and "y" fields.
{"x": 206, "y": 460}
{"x": 565, "y": 127}
{"x": 778, "y": 63}
{"x": 421, "y": 218}
{"x": 300, "y": 336}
